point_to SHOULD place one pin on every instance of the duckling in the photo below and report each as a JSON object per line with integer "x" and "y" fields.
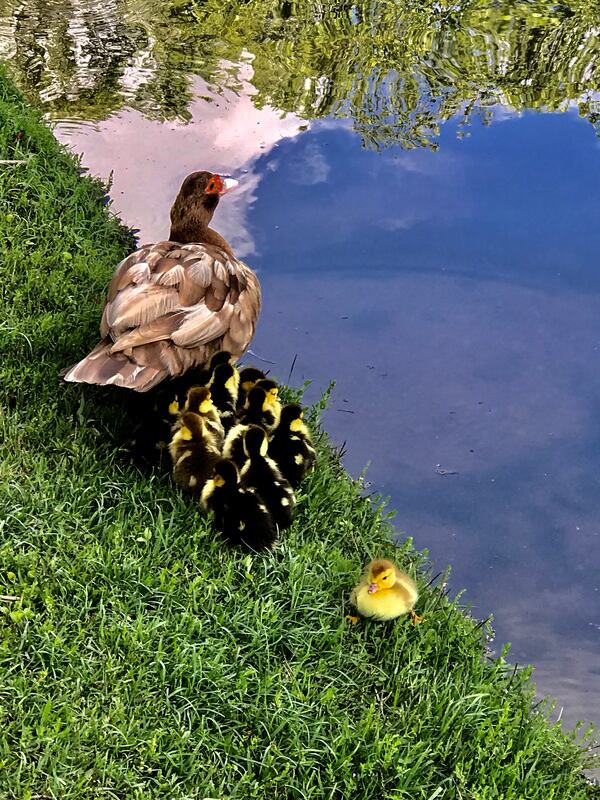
{"x": 291, "y": 446}
{"x": 384, "y": 593}
{"x": 155, "y": 412}
{"x": 248, "y": 377}
{"x": 233, "y": 446}
{"x": 262, "y": 408}
{"x": 272, "y": 389}
{"x": 240, "y": 514}
{"x": 262, "y": 474}
{"x": 218, "y": 359}
{"x": 199, "y": 401}
{"x": 194, "y": 452}
{"x": 223, "y": 386}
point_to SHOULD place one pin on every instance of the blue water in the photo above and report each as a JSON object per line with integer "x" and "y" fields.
{"x": 454, "y": 297}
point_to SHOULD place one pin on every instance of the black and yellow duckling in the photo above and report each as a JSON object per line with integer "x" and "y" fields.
{"x": 274, "y": 403}
{"x": 194, "y": 452}
{"x": 385, "y": 592}
{"x": 199, "y": 401}
{"x": 262, "y": 406}
{"x": 176, "y": 390}
{"x": 240, "y": 514}
{"x": 248, "y": 378}
{"x": 233, "y": 446}
{"x": 262, "y": 474}
{"x": 291, "y": 446}
{"x": 156, "y": 411}
{"x": 223, "y": 385}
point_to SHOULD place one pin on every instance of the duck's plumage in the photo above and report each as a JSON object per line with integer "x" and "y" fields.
{"x": 172, "y": 305}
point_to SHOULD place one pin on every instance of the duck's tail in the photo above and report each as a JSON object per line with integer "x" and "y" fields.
{"x": 105, "y": 368}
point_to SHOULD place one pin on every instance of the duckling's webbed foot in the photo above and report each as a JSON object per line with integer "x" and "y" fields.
{"x": 415, "y": 618}
{"x": 352, "y": 618}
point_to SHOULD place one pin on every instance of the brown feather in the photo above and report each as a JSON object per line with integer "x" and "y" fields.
{"x": 154, "y": 331}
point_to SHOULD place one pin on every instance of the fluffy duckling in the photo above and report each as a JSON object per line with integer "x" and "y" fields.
{"x": 178, "y": 389}
{"x": 233, "y": 446}
{"x": 262, "y": 406}
{"x": 272, "y": 389}
{"x": 262, "y": 474}
{"x": 248, "y": 378}
{"x": 194, "y": 452}
{"x": 223, "y": 385}
{"x": 199, "y": 401}
{"x": 156, "y": 411}
{"x": 384, "y": 593}
{"x": 240, "y": 514}
{"x": 291, "y": 446}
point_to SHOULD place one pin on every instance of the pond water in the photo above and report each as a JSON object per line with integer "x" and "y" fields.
{"x": 420, "y": 196}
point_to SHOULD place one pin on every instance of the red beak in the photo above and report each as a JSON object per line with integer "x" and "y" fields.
{"x": 222, "y": 185}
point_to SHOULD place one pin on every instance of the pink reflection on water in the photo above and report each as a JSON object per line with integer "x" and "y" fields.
{"x": 149, "y": 159}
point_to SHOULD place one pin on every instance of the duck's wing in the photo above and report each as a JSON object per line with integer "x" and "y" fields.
{"x": 169, "y": 308}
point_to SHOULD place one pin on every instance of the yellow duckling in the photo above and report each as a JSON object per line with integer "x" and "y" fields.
{"x": 199, "y": 401}
{"x": 384, "y": 593}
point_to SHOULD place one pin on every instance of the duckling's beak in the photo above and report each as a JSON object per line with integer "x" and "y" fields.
{"x": 373, "y": 587}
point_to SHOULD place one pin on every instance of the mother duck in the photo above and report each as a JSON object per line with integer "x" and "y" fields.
{"x": 171, "y": 305}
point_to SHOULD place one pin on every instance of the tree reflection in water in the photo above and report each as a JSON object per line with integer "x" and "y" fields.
{"x": 396, "y": 70}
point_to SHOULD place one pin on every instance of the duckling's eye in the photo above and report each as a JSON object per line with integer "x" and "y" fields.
{"x": 211, "y": 185}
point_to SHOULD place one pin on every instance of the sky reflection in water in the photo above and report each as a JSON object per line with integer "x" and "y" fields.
{"x": 454, "y": 298}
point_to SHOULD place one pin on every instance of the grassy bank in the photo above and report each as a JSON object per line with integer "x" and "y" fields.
{"x": 141, "y": 659}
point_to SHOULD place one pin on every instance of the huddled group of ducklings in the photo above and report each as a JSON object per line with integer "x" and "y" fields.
{"x": 236, "y": 449}
{"x": 240, "y": 452}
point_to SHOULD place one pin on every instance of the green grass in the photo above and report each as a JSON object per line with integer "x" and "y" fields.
{"x": 145, "y": 660}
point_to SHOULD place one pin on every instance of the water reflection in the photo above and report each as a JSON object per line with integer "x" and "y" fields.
{"x": 148, "y": 160}
{"x": 397, "y": 72}
{"x": 465, "y": 338}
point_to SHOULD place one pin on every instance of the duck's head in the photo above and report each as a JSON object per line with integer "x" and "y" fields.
{"x": 249, "y": 376}
{"x": 255, "y": 442}
{"x": 226, "y": 473}
{"x": 199, "y": 400}
{"x": 271, "y": 391}
{"x": 206, "y": 187}
{"x": 382, "y": 575}
{"x": 291, "y": 417}
{"x": 195, "y": 204}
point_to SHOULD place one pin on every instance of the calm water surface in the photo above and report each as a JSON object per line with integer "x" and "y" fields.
{"x": 452, "y": 292}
